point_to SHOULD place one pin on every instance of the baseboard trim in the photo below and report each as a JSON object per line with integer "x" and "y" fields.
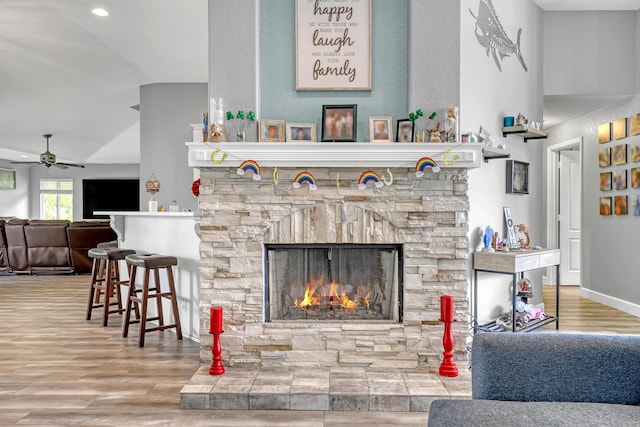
{"x": 613, "y": 302}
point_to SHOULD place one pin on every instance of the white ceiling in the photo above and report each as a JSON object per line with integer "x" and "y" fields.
{"x": 68, "y": 72}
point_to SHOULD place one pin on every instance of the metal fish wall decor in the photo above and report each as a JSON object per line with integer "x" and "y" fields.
{"x": 492, "y": 36}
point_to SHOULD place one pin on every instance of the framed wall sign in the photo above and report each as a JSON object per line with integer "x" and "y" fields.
{"x": 333, "y": 45}
{"x": 7, "y": 179}
{"x": 517, "y": 177}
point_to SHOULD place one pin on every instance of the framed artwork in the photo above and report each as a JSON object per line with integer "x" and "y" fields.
{"x": 604, "y": 133}
{"x": 380, "y": 128}
{"x": 620, "y": 179}
{"x": 620, "y": 128}
{"x": 271, "y": 131}
{"x": 636, "y": 205}
{"x": 620, "y": 205}
{"x": 635, "y": 153}
{"x": 605, "y": 206}
{"x": 604, "y": 157}
{"x": 333, "y": 45}
{"x": 605, "y": 181}
{"x": 620, "y": 154}
{"x": 635, "y": 178}
{"x": 339, "y": 123}
{"x": 404, "y": 130}
{"x": 635, "y": 124}
{"x": 517, "y": 177}
{"x": 301, "y": 132}
{"x": 7, "y": 179}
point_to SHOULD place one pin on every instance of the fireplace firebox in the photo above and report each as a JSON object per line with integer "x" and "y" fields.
{"x": 321, "y": 282}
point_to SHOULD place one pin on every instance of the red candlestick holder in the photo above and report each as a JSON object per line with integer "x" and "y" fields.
{"x": 448, "y": 367}
{"x": 215, "y": 329}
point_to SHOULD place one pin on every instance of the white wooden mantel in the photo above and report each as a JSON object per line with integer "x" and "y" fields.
{"x": 339, "y": 154}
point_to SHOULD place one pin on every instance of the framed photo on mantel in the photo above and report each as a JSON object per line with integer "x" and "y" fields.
{"x": 333, "y": 45}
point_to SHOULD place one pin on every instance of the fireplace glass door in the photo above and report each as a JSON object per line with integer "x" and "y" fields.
{"x": 333, "y": 282}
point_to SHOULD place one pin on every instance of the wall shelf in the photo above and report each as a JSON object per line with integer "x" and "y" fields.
{"x": 492, "y": 153}
{"x": 525, "y": 132}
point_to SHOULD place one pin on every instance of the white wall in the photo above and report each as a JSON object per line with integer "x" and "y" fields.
{"x": 39, "y": 172}
{"x": 609, "y": 243}
{"x": 486, "y": 95}
{"x": 166, "y": 110}
{"x": 590, "y": 53}
{"x": 16, "y": 202}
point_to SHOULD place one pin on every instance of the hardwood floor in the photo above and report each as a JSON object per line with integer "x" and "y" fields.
{"x": 56, "y": 368}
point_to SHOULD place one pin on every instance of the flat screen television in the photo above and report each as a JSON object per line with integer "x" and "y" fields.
{"x": 109, "y": 195}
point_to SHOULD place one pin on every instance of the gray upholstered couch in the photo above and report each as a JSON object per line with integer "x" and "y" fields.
{"x": 548, "y": 379}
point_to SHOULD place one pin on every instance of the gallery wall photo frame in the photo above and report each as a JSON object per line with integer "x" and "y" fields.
{"x": 634, "y": 124}
{"x": 339, "y": 123}
{"x": 620, "y": 205}
{"x": 517, "y": 177}
{"x": 620, "y": 128}
{"x": 604, "y": 157}
{"x": 380, "y": 128}
{"x": 620, "y": 154}
{"x": 301, "y": 132}
{"x": 605, "y": 181}
{"x": 333, "y": 45}
{"x": 620, "y": 179}
{"x": 605, "y": 206}
{"x": 7, "y": 179}
{"x": 604, "y": 133}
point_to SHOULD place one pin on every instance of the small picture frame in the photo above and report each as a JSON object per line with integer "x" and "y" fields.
{"x": 635, "y": 178}
{"x": 604, "y": 157}
{"x": 620, "y": 128}
{"x": 605, "y": 206}
{"x": 517, "y": 177}
{"x": 620, "y": 205}
{"x": 605, "y": 181}
{"x": 339, "y": 123}
{"x": 404, "y": 130}
{"x": 301, "y": 132}
{"x": 604, "y": 133}
{"x": 620, "y": 179}
{"x": 636, "y": 205}
{"x": 634, "y": 124}
{"x": 7, "y": 179}
{"x": 271, "y": 131}
{"x": 635, "y": 153}
{"x": 380, "y": 128}
{"x": 620, "y": 154}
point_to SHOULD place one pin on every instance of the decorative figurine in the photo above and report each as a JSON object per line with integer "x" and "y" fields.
{"x": 488, "y": 236}
{"x": 524, "y": 244}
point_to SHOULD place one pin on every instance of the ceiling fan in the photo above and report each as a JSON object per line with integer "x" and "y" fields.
{"x": 49, "y": 159}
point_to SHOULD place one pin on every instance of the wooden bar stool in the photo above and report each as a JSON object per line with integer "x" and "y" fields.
{"x": 105, "y": 279}
{"x": 151, "y": 262}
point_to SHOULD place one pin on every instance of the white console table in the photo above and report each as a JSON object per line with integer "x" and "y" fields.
{"x": 515, "y": 263}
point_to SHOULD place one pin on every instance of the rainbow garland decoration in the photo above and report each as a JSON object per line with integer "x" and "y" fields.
{"x": 303, "y": 177}
{"x": 250, "y": 165}
{"x": 426, "y": 162}
{"x": 370, "y": 176}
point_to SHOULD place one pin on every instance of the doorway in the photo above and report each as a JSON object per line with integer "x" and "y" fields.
{"x": 564, "y": 208}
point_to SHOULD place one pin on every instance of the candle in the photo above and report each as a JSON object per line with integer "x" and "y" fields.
{"x": 216, "y": 319}
{"x": 446, "y": 308}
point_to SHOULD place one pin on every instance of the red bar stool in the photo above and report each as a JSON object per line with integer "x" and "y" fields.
{"x": 105, "y": 279}
{"x": 151, "y": 263}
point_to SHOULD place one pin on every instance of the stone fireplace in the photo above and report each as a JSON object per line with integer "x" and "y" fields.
{"x": 371, "y": 263}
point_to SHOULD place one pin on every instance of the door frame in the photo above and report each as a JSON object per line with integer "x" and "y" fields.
{"x": 553, "y": 197}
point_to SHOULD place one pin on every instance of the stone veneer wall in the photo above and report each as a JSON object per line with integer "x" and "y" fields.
{"x": 240, "y": 215}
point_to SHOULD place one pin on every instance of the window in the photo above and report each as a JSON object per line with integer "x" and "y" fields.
{"x": 56, "y": 199}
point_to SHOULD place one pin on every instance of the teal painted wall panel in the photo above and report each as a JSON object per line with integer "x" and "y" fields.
{"x": 278, "y": 96}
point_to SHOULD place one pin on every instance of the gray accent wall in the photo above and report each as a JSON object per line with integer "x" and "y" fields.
{"x": 590, "y": 53}
{"x": 166, "y": 110}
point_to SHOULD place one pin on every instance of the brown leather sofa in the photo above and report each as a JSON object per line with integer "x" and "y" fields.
{"x": 52, "y": 246}
{"x": 4, "y": 258}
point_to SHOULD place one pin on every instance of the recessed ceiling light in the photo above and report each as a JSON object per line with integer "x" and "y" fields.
{"x": 23, "y": 156}
{"x": 100, "y": 12}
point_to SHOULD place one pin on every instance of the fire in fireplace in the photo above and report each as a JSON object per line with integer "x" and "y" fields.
{"x": 333, "y": 282}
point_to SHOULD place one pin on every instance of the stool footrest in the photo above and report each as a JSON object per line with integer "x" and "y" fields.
{"x": 160, "y": 328}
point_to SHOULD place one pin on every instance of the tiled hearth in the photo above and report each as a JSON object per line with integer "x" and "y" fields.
{"x": 426, "y": 216}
